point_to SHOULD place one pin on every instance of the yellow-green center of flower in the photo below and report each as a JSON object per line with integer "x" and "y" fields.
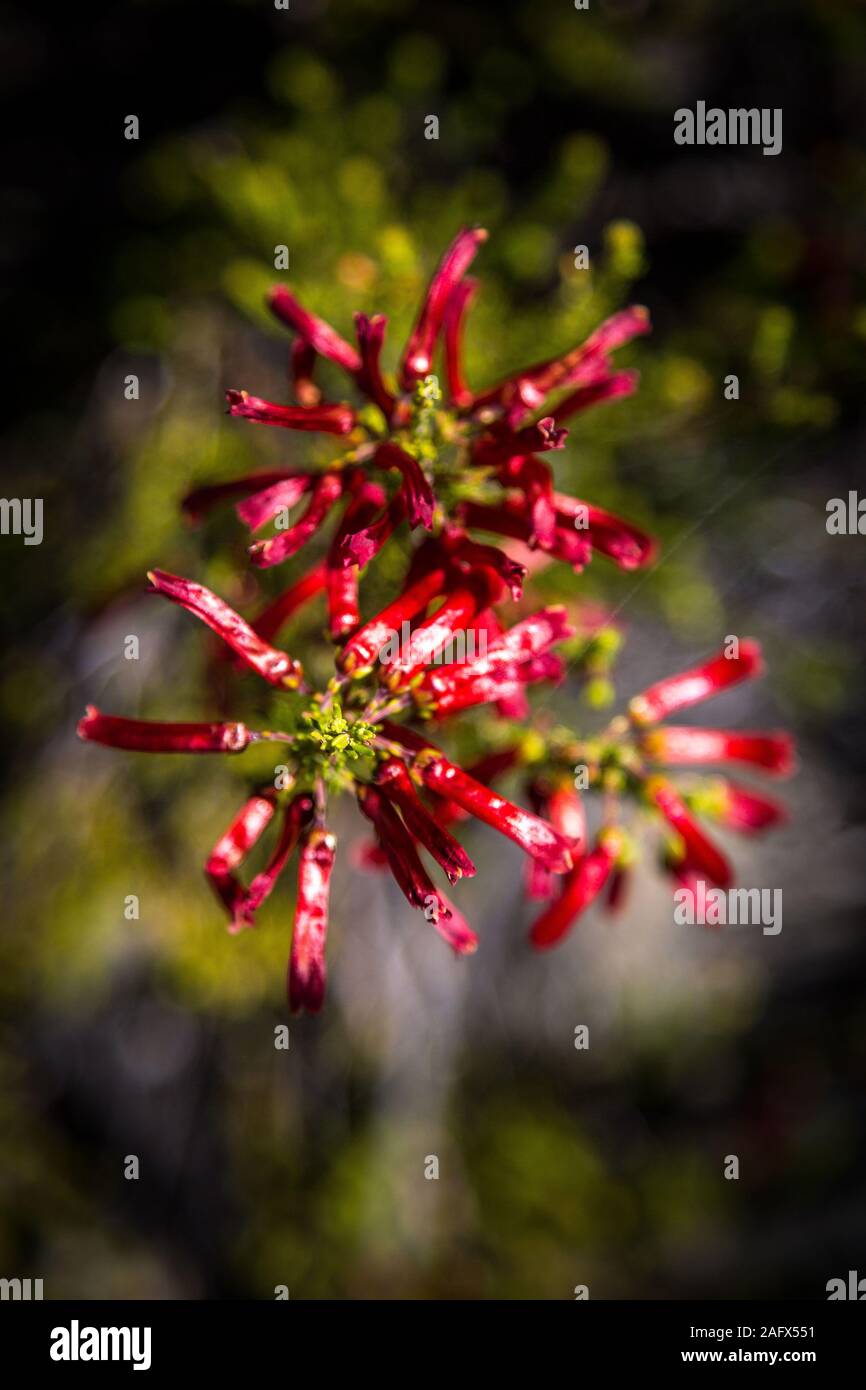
{"x": 327, "y": 734}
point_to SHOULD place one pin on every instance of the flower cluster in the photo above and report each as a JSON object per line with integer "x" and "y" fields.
{"x": 452, "y": 464}
{"x": 447, "y": 468}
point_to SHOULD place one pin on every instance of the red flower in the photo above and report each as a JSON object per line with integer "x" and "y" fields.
{"x": 580, "y": 888}
{"x": 611, "y": 388}
{"x": 155, "y": 736}
{"x": 306, "y": 978}
{"x": 474, "y": 464}
{"x": 399, "y": 847}
{"x": 493, "y": 428}
{"x": 274, "y": 666}
{"x": 511, "y": 661}
{"x": 323, "y": 494}
{"x": 277, "y": 613}
{"x": 416, "y": 491}
{"x": 418, "y": 356}
{"x": 371, "y": 334}
{"x": 362, "y": 546}
{"x": 196, "y": 504}
{"x": 395, "y": 782}
{"x": 233, "y": 847}
{"x": 261, "y": 507}
{"x": 743, "y": 809}
{"x": 690, "y": 687}
{"x": 235, "y": 844}
{"x": 344, "y": 612}
{"x": 702, "y": 855}
{"x": 531, "y": 833}
{"x": 325, "y": 419}
{"x": 456, "y": 309}
{"x": 772, "y": 753}
{"x": 314, "y": 331}
{"x": 462, "y": 602}
{"x": 362, "y": 650}
{"x": 584, "y": 364}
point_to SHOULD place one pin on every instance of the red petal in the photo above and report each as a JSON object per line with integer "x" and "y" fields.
{"x": 459, "y": 302}
{"x": 371, "y": 334}
{"x": 580, "y": 888}
{"x": 418, "y": 357}
{"x": 699, "y": 683}
{"x": 689, "y": 747}
{"x": 155, "y": 736}
{"x": 324, "y": 419}
{"x": 701, "y": 852}
{"x": 396, "y": 783}
{"x": 284, "y": 544}
{"x": 306, "y": 976}
{"x": 314, "y": 330}
{"x": 274, "y": 666}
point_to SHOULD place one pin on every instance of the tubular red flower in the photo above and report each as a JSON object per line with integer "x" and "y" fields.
{"x": 515, "y": 707}
{"x": 394, "y": 780}
{"x": 394, "y": 837}
{"x": 531, "y": 637}
{"x": 502, "y": 684}
{"x": 274, "y": 666}
{"x": 700, "y": 851}
{"x": 201, "y": 500}
{"x": 531, "y": 833}
{"x": 231, "y": 893}
{"x": 502, "y": 445}
{"x": 306, "y": 975}
{"x": 273, "y": 551}
{"x": 567, "y": 814}
{"x": 324, "y": 419}
{"x": 535, "y": 480}
{"x": 296, "y": 816}
{"x": 235, "y": 843}
{"x": 473, "y": 593}
{"x": 512, "y": 519}
{"x": 620, "y": 540}
{"x": 231, "y": 850}
{"x": 344, "y": 613}
{"x": 682, "y": 746}
{"x": 580, "y": 888}
{"x": 744, "y": 810}
{"x": 418, "y": 357}
{"x": 319, "y": 334}
{"x": 485, "y": 770}
{"x": 611, "y": 388}
{"x": 155, "y": 736}
{"x": 581, "y": 366}
{"x": 456, "y": 310}
{"x": 539, "y": 882}
{"x": 371, "y": 335}
{"x": 362, "y": 650}
{"x": 362, "y": 546}
{"x": 276, "y": 614}
{"x": 417, "y": 492}
{"x": 619, "y": 329}
{"x": 471, "y": 554}
{"x": 262, "y": 507}
{"x": 699, "y": 683}
{"x": 456, "y": 930}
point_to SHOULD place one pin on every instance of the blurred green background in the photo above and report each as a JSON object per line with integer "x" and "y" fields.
{"x": 262, "y": 128}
